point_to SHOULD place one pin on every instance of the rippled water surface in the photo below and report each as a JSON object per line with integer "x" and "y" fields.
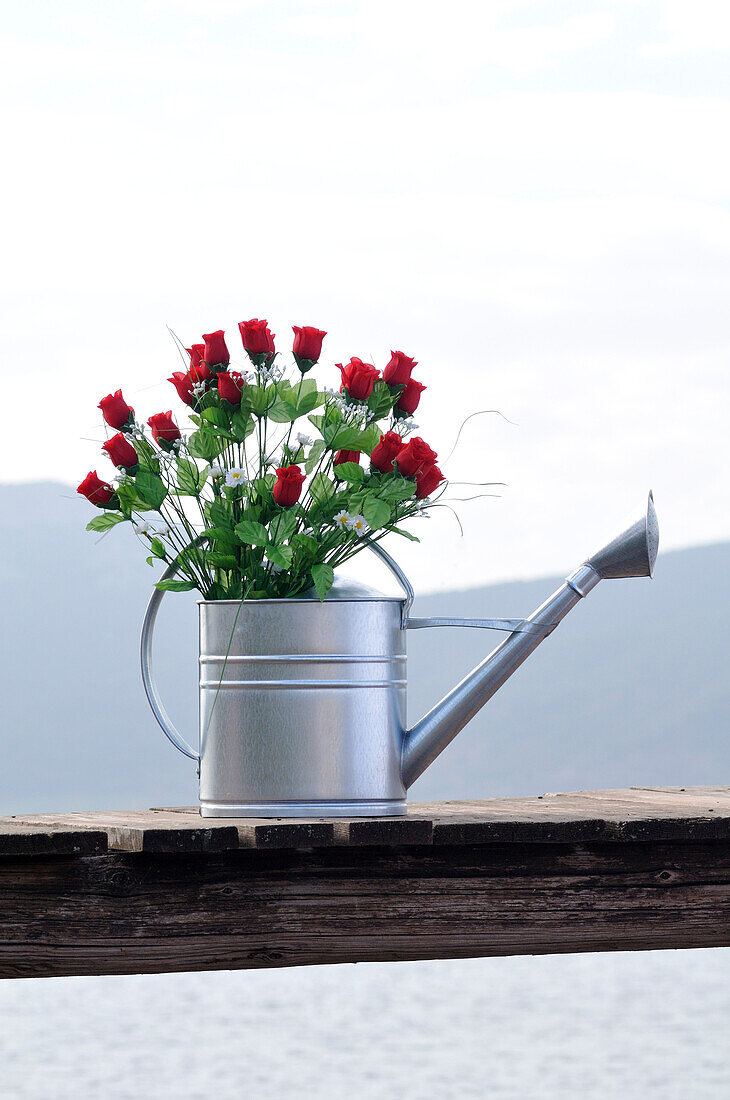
{"x": 597, "y": 1027}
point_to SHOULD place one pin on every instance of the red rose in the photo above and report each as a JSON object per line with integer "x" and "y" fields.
{"x": 121, "y": 452}
{"x": 115, "y": 410}
{"x": 398, "y": 370}
{"x": 164, "y": 430}
{"x": 346, "y": 456}
{"x": 307, "y": 346}
{"x": 183, "y": 383}
{"x": 428, "y": 479}
{"x": 230, "y": 386}
{"x": 415, "y": 456}
{"x": 408, "y": 400}
{"x": 95, "y": 490}
{"x": 288, "y": 485}
{"x": 257, "y": 340}
{"x": 198, "y": 369}
{"x": 386, "y": 451}
{"x": 358, "y": 378}
{"x": 215, "y": 352}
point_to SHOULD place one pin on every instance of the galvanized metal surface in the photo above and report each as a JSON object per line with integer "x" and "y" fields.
{"x": 303, "y": 702}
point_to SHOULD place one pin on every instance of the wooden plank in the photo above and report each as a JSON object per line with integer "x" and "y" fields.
{"x": 152, "y": 912}
{"x": 573, "y": 817}
{"x": 26, "y": 840}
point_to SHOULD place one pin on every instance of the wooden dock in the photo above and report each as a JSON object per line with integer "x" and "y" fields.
{"x": 165, "y": 890}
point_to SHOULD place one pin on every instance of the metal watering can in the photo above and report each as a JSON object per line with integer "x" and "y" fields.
{"x": 303, "y": 703}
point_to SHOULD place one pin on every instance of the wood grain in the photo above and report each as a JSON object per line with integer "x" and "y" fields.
{"x": 154, "y": 912}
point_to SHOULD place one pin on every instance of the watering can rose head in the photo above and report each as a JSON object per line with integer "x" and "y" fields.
{"x": 272, "y": 480}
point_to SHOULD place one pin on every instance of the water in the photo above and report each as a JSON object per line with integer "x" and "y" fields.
{"x": 597, "y": 1027}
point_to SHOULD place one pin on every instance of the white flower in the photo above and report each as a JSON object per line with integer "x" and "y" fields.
{"x": 304, "y": 440}
{"x": 342, "y": 520}
{"x": 163, "y": 531}
{"x": 236, "y": 476}
{"x": 144, "y": 528}
{"x": 216, "y": 471}
{"x": 199, "y": 388}
{"x": 358, "y": 525}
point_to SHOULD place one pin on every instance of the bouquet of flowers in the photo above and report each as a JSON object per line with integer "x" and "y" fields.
{"x": 265, "y": 493}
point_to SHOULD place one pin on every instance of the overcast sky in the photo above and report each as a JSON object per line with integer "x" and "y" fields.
{"x": 530, "y": 198}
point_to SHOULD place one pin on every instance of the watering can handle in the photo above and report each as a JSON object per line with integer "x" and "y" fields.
{"x": 150, "y": 687}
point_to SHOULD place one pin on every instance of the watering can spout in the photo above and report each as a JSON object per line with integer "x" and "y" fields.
{"x": 632, "y": 553}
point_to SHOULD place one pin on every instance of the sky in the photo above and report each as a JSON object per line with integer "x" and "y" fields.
{"x": 529, "y": 198}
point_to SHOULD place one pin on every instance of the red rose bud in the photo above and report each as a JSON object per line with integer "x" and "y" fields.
{"x": 398, "y": 370}
{"x": 121, "y": 452}
{"x": 97, "y": 491}
{"x": 198, "y": 369}
{"x": 288, "y": 485}
{"x": 257, "y": 341}
{"x": 215, "y": 352}
{"x": 358, "y": 378}
{"x": 346, "y": 456}
{"x": 427, "y": 480}
{"x": 386, "y": 452}
{"x": 164, "y": 430}
{"x": 115, "y": 410}
{"x": 415, "y": 456}
{"x": 183, "y": 383}
{"x": 230, "y": 387}
{"x": 408, "y": 401}
{"x": 307, "y": 346}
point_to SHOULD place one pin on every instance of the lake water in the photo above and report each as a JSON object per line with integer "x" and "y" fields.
{"x": 650, "y": 1026}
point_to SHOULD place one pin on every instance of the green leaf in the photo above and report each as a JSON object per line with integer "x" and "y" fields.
{"x": 306, "y": 542}
{"x": 206, "y": 444}
{"x": 157, "y": 547}
{"x": 189, "y": 477}
{"x": 369, "y": 439}
{"x": 221, "y": 535}
{"x": 405, "y": 534}
{"x": 259, "y": 399}
{"x": 312, "y": 461}
{"x": 323, "y": 576}
{"x": 175, "y": 586}
{"x": 376, "y": 512}
{"x": 105, "y": 521}
{"x": 380, "y": 400}
{"x": 215, "y": 416}
{"x": 321, "y": 488}
{"x": 309, "y": 401}
{"x": 129, "y": 498}
{"x": 281, "y": 412}
{"x": 317, "y": 422}
{"x": 221, "y": 561}
{"x": 283, "y": 526}
{"x": 252, "y": 533}
{"x": 400, "y": 488}
{"x": 151, "y": 488}
{"x": 342, "y": 437}
{"x": 218, "y": 515}
{"x": 349, "y": 471}
{"x": 242, "y": 426}
{"x": 280, "y": 555}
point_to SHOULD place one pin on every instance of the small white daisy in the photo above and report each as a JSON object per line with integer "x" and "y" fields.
{"x": 304, "y": 440}
{"x": 216, "y": 471}
{"x": 144, "y": 528}
{"x": 236, "y": 476}
{"x": 358, "y": 525}
{"x": 342, "y": 520}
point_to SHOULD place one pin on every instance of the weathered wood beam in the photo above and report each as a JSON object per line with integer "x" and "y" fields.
{"x": 124, "y": 913}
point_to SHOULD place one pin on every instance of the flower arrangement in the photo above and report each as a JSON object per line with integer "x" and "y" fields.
{"x": 247, "y": 504}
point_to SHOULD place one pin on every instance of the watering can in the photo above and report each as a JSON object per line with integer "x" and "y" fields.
{"x": 303, "y": 702}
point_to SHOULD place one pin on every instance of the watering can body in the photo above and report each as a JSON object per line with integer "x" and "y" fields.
{"x": 303, "y": 702}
